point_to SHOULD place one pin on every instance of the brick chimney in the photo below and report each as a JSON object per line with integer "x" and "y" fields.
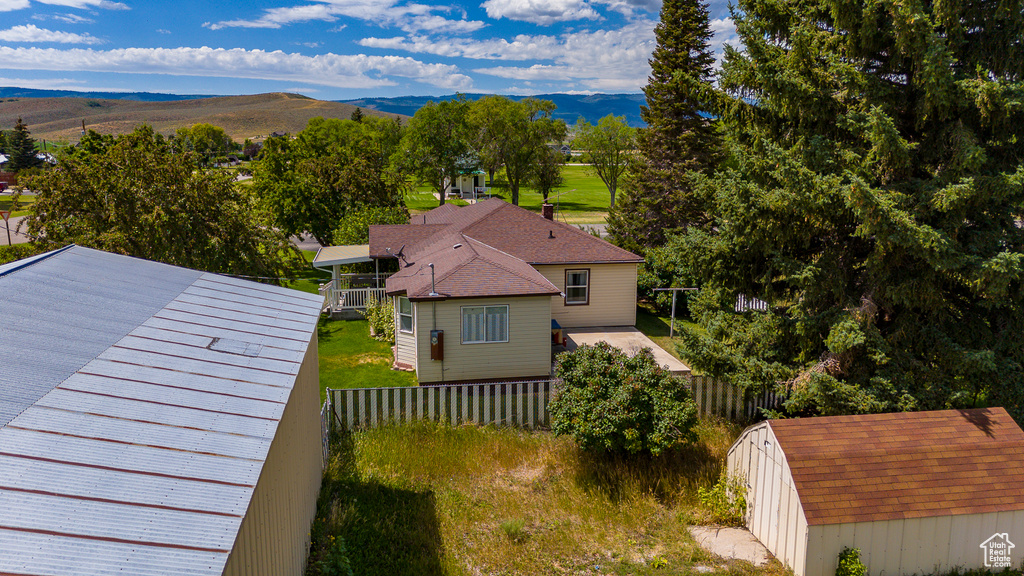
{"x": 548, "y": 211}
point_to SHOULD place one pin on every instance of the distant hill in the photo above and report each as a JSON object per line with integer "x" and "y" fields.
{"x": 570, "y": 106}
{"x": 256, "y": 116}
{"x": 11, "y": 92}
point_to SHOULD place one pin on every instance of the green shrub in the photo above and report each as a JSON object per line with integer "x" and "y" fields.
{"x": 335, "y": 561}
{"x": 726, "y": 501}
{"x": 609, "y": 401}
{"x": 850, "y": 564}
{"x": 17, "y": 252}
{"x": 381, "y": 316}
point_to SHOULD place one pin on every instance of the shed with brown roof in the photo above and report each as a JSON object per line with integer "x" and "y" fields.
{"x": 916, "y": 492}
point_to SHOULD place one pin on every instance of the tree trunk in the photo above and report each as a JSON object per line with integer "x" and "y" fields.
{"x": 611, "y": 190}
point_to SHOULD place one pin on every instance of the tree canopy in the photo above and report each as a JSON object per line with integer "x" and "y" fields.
{"x": 679, "y": 138}
{"x": 331, "y": 168}
{"x": 137, "y": 196}
{"x": 874, "y": 199}
{"x": 609, "y": 146}
{"x": 436, "y": 146}
{"x": 206, "y": 140}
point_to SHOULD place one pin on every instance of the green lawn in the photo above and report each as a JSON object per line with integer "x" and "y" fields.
{"x": 656, "y": 327}
{"x": 583, "y": 199}
{"x": 436, "y": 500}
{"x": 21, "y": 209}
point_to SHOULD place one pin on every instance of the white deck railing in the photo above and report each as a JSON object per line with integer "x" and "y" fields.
{"x": 345, "y": 298}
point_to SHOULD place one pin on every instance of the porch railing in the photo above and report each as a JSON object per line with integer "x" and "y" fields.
{"x": 345, "y": 298}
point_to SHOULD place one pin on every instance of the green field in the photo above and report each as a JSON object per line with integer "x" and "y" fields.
{"x": 19, "y": 209}
{"x": 583, "y": 199}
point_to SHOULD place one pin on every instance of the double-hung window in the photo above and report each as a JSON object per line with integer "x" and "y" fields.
{"x": 577, "y": 287}
{"x": 482, "y": 324}
{"x": 404, "y": 314}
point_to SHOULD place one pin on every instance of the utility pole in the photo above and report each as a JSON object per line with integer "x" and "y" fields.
{"x": 672, "y": 324}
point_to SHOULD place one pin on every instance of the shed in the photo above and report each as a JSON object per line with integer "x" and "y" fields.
{"x": 917, "y": 492}
{"x": 154, "y": 419}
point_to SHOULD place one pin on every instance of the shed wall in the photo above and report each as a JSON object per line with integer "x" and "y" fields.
{"x": 274, "y": 536}
{"x": 774, "y": 514}
{"x": 612, "y": 295}
{"x": 915, "y": 545}
{"x": 526, "y": 354}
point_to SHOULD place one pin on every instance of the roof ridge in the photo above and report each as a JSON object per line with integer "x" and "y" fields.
{"x": 26, "y": 262}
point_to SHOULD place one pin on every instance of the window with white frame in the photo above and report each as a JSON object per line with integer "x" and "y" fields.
{"x": 577, "y": 287}
{"x": 404, "y": 314}
{"x": 482, "y": 324}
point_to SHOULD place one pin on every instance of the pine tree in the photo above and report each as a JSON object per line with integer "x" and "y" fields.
{"x": 656, "y": 196}
{"x": 874, "y": 199}
{"x": 21, "y": 148}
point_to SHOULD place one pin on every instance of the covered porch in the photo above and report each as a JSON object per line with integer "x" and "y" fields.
{"x": 348, "y": 291}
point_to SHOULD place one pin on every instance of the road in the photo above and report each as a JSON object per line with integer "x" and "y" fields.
{"x": 16, "y": 237}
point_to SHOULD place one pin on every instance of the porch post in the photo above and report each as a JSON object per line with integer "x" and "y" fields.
{"x": 376, "y": 273}
{"x": 336, "y": 281}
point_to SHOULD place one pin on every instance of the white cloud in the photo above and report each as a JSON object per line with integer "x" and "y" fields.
{"x": 56, "y": 84}
{"x": 522, "y": 47}
{"x": 9, "y": 5}
{"x": 106, "y": 4}
{"x": 410, "y": 18}
{"x": 66, "y": 18}
{"x": 630, "y": 7}
{"x": 162, "y": 31}
{"x": 339, "y": 71}
{"x": 30, "y": 33}
{"x": 543, "y": 12}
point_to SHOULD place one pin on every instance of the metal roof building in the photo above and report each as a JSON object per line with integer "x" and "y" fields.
{"x": 154, "y": 419}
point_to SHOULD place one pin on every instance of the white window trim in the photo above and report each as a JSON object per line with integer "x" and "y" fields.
{"x": 411, "y": 315}
{"x": 462, "y": 313}
{"x": 585, "y": 301}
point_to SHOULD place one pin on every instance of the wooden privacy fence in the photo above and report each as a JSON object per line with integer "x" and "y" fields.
{"x": 520, "y": 404}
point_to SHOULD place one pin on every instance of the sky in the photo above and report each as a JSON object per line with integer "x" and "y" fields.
{"x": 334, "y": 49}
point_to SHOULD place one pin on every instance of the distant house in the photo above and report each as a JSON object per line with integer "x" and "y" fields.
{"x": 154, "y": 419}
{"x": 917, "y": 493}
{"x": 468, "y": 186}
{"x": 479, "y": 289}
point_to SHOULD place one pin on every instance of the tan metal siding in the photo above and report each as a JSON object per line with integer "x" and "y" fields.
{"x": 612, "y": 295}
{"x": 274, "y": 536}
{"x": 405, "y": 342}
{"x": 527, "y": 352}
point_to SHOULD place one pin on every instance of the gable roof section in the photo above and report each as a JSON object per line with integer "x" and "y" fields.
{"x": 876, "y": 467}
{"x": 467, "y": 268}
{"x": 518, "y": 232}
{"x": 140, "y": 452}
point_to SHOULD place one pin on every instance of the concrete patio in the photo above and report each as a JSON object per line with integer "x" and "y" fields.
{"x": 625, "y": 338}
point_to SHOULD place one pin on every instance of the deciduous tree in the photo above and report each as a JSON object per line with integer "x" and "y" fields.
{"x": 310, "y": 183}
{"x": 437, "y": 143}
{"x": 609, "y": 146}
{"x": 139, "y": 197}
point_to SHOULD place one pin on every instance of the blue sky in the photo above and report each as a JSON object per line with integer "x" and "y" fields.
{"x": 333, "y": 49}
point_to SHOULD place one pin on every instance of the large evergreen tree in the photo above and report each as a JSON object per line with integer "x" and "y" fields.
{"x": 875, "y": 201}
{"x": 656, "y": 195}
{"x": 21, "y": 148}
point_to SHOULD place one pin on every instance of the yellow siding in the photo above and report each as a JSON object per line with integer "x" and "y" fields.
{"x": 526, "y": 354}
{"x": 405, "y": 343}
{"x": 274, "y": 535}
{"x": 612, "y": 296}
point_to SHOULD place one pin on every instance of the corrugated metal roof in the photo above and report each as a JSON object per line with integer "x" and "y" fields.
{"x": 132, "y": 437}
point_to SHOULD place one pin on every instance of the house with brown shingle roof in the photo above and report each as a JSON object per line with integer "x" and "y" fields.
{"x": 916, "y": 492}
{"x": 480, "y": 287}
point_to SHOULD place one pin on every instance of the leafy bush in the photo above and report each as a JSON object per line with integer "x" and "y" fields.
{"x": 335, "y": 561}
{"x": 18, "y": 251}
{"x": 726, "y": 501}
{"x": 381, "y": 316}
{"x": 850, "y": 564}
{"x": 612, "y": 402}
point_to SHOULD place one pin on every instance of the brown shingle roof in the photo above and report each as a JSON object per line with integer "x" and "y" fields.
{"x": 905, "y": 465}
{"x": 510, "y": 229}
{"x": 471, "y": 270}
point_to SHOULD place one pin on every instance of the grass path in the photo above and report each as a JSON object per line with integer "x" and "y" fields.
{"x": 434, "y": 500}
